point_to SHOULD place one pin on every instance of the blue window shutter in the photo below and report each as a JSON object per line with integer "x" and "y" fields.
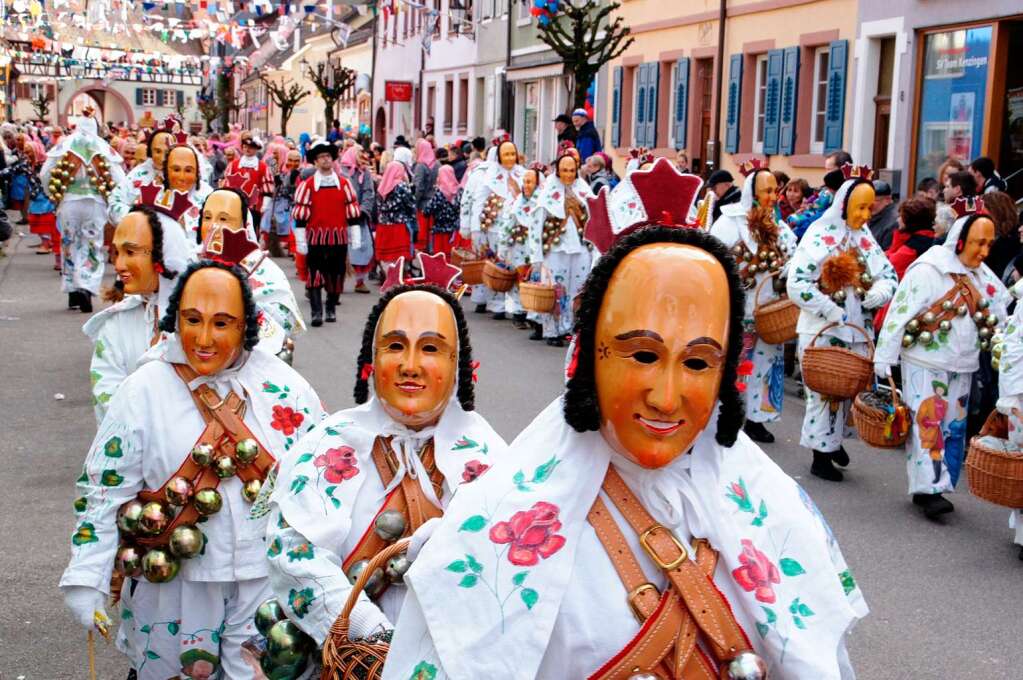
{"x": 639, "y": 125}
{"x": 789, "y": 102}
{"x": 180, "y": 97}
{"x": 734, "y": 103}
{"x": 653, "y": 78}
{"x": 616, "y": 108}
{"x": 772, "y": 100}
{"x": 834, "y": 117}
{"x": 138, "y": 96}
{"x": 681, "y": 101}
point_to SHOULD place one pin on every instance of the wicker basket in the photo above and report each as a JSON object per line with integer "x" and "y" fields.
{"x": 872, "y": 423}
{"x": 995, "y": 475}
{"x": 356, "y": 659}
{"x": 472, "y": 272}
{"x": 775, "y": 321}
{"x": 460, "y": 255}
{"x": 837, "y": 373}
{"x": 537, "y": 297}
{"x": 497, "y": 278}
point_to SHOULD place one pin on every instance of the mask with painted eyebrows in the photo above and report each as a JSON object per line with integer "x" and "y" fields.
{"x": 661, "y": 341}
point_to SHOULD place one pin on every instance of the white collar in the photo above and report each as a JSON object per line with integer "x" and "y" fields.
{"x": 329, "y": 180}
{"x": 248, "y": 162}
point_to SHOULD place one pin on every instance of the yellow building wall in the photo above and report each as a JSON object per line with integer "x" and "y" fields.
{"x": 666, "y": 30}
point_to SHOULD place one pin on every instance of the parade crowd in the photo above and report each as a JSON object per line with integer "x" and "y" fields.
{"x": 233, "y": 519}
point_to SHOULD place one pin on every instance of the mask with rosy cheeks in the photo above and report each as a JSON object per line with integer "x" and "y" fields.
{"x": 568, "y": 170}
{"x": 293, "y": 161}
{"x": 508, "y": 155}
{"x": 415, "y": 358}
{"x": 659, "y": 363}
{"x": 182, "y": 169}
{"x": 211, "y": 320}
{"x": 132, "y": 248}
{"x": 222, "y": 209}
{"x": 529, "y": 183}
{"x": 765, "y": 187}
{"x": 978, "y": 243}
{"x": 161, "y": 143}
{"x": 857, "y": 206}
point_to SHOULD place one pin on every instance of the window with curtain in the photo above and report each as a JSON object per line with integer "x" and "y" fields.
{"x": 759, "y": 103}
{"x": 819, "y": 107}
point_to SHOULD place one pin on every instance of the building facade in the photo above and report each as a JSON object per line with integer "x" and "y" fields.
{"x": 933, "y": 81}
{"x": 782, "y": 98}
{"x": 397, "y": 81}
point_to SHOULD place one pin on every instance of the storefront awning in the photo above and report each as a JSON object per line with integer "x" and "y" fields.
{"x": 536, "y": 72}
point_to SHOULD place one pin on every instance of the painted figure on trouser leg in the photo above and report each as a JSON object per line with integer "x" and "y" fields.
{"x": 498, "y": 186}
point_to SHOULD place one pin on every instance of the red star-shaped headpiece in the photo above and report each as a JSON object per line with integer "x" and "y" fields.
{"x": 642, "y": 154}
{"x": 241, "y": 181}
{"x": 751, "y": 166}
{"x": 436, "y": 271}
{"x": 850, "y": 171}
{"x": 167, "y": 125}
{"x": 229, "y": 246}
{"x": 171, "y": 203}
{"x": 665, "y": 193}
{"x": 968, "y": 205}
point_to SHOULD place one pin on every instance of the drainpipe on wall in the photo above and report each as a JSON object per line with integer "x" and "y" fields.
{"x": 507, "y": 89}
{"x": 719, "y": 74}
{"x": 373, "y": 78}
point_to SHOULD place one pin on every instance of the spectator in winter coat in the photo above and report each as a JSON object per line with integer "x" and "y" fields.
{"x": 587, "y": 140}
{"x": 793, "y": 195}
{"x": 884, "y": 214}
{"x": 424, "y": 181}
{"x": 565, "y": 128}
{"x": 987, "y": 178}
{"x": 914, "y": 236}
{"x": 821, "y": 201}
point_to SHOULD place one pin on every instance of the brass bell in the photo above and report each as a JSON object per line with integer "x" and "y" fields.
{"x": 962, "y": 310}
{"x": 860, "y": 292}
{"x": 984, "y": 303}
{"x": 945, "y": 325}
{"x": 207, "y": 502}
{"x": 129, "y": 561}
{"x": 159, "y": 567}
{"x": 839, "y": 296}
{"x": 748, "y": 256}
{"x": 128, "y": 516}
{"x": 991, "y": 320}
{"x": 984, "y": 333}
{"x": 251, "y": 489}
{"x": 913, "y": 326}
{"x": 376, "y": 582}
{"x": 390, "y": 525}
{"x": 745, "y": 666}
{"x": 202, "y": 454}
{"x": 178, "y": 491}
{"x": 186, "y": 542}
{"x": 946, "y": 305}
{"x": 268, "y": 613}
{"x": 866, "y": 278}
{"x": 754, "y": 269}
{"x": 985, "y": 345}
{"x": 288, "y": 646}
{"x": 996, "y": 364}
{"x": 246, "y": 450}
{"x": 155, "y": 518}
{"x": 928, "y": 318}
{"x": 287, "y": 356}
{"x": 860, "y": 260}
{"x": 224, "y": 466}
{"x": 396, "y": 568}
{"x": 978, "y": 317}
{"x": 763, "y": 254}
{"x": 737, "y": 249}
{"x": 908, "y": 340}
{"x": 925, "y": 338}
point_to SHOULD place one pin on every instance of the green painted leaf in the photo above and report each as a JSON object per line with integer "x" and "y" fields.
{"x": 520, "y": 481}
{"x": 799, "y": 623}
{"x": 110, "y": 478}
{"x": 150, "y": 654}
{"x": 99, "y": 348}
{"x": 331, "y": 489}
{"x": 847, "y": 580}
{"x": 520, "y": 578}
{"x": 126, "y": 614}
{"x": 474, "y": 523}
{"x": 331, "y": 431}
{"x": 299, "y": 483}
{"x": 544, "y": 472}
{"x": 790, "y": 567}
{"x": 458, "y": 566}
{"x": 794, "y": 607}
{"x": 804, "y": 610}
{"x": 215, "y": 637}
{"x": 529, "y": 597}
{"x": 474, "y": 564}
{"x": 771, "y": 616}
{"x": 335, "y": 502}
{"x": 145, "y": 629}
{"x": 468, "y": 581}
{"x": 763, "y": 629}
{"x": 173, "y": 627}
{"x": 305, "y": 458}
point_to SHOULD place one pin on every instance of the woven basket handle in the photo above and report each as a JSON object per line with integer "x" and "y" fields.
{"x": 895, "y": 393}
{"x": 870, "y": 343}
{"x": 340, "y": 625}
{"x": 760, "y": 286}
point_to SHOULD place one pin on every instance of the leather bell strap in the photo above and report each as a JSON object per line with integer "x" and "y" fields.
{"x": 706, "y": 604}
{"x": 962, "y": 289}
{"x": 667, "y": 624}
{"x": 225, "y": 427}
{"x": 408, "y": 498}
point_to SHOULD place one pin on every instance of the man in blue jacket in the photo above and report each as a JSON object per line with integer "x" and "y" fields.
{"x": 587, "y": 140}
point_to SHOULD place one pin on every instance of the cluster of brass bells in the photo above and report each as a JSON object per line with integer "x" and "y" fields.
{"x": 100, "y": 177}
{"x": 136, "y": 519}
{"x": 288, "y": 649}
{"x": 767, "y": 260}
{"x": 64, "y": 172}
{"x": 287, "y": 353}
{"x": 997, "y": 348}
{"x": 516, "y": 235}
{"x": 987, "y": 325}
{"x": 491, "y": 211}
{"x": 389, "y": 525}
{"x": 745, "y": 666}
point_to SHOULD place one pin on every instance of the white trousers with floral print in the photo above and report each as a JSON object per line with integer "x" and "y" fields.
{"x": 1015, "y": 417}
{"x": 935, "y": 450}
{"x": 81, "y": 226}
{"x": 190, "y": 629}
{"x": 826, "y": 423}
{"x": 483, "y": 241}
{"x": 765, "y": 386}
{"x": 569, "y": 272}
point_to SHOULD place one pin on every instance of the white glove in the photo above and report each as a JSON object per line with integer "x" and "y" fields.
{"x": 268, "y": 204}
{"x": 882, "y": 370}
{"x": 87, "y": 604}
{"x": 874, "y": 299}
{"x": 301, "y": 245}
{"x": 420, "y": 537}
{"x": 1017, "y": 289}
{"x": 367, "y": 619}
{"x": 836, "y": 314}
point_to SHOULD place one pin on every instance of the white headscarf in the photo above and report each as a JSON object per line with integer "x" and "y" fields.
{"x": 552, "y": 195}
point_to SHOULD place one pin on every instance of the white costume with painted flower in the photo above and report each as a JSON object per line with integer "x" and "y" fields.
{"x": 1010, "y": 392}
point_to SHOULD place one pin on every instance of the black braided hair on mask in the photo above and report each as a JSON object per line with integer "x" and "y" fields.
{"x": 169, "y": 322}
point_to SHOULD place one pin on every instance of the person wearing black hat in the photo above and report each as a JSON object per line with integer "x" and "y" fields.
{"x": 884, "y": 214}
{"x": 401, "y": 141}
{"x": 722, "y": 184}
{"x": 252, "y": 177}
{"x": 566, "y": 131}
{"x": 325, "y": 204}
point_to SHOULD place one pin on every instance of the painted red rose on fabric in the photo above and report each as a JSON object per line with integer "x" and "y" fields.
{"x": 137, "y": 183}
{"x": 532, "y": 534}
{"x": 865, "y": 243}
{"x": 828, "y": 240}
{"x": 991, "y": 290}
{"x": 757, "y": 573}
{"x": 340, "y": 464}
{"x": 473, "y": 470}
{"x": 286, "y": 419}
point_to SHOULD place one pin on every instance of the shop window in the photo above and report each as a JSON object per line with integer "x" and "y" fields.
{"x": 819, "y": 107}
{"x": 759, "y": 103}
{"x": 148, "y": 96}
{"x": 167, "y": 98}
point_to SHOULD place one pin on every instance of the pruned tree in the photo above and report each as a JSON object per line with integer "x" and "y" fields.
{"x": 332, "y": 81}
{"x": 41, "y": 105}
{"x": 208, "y": 110}
{"x": 286, "y": 97}
{"x": 572, "y": 34}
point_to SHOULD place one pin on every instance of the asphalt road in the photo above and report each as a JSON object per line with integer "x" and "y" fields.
{"x": 946, "y": 599}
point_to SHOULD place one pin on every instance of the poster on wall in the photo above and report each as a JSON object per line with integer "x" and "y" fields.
{"x": 960, "y": 125}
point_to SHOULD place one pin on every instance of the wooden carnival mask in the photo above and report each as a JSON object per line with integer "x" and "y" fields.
{"x": 293, "y": 161}
{"x": 162, "y": 141}
{"x": 507, "y": 155}
{"x": 132, "y": 247}
{"x": 661, "y": 341}
{"x": 211, "y": 320}
{"x": 182, "y": 169}
{"x": 974, "y": 249}
{"x": 568, "y": 170}
{"x": 529, "y": 182}
{"x": 415, "y": 358}
{"x": 222, "y": 209}
{"x": 765, "y": 189}
{"x": 857, "y": 205}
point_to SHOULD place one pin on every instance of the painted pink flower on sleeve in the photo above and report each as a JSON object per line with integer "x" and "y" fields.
{"x": 532, "y": 534}
{"x": 828, "y": 240}
{"x": 756, "y": 573}
{"x": 340, "y": 464}
{"x": 473, "y": 470}
{"x": 865, "y": 243}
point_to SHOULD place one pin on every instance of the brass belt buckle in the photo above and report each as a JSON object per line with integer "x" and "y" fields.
{"x": 635, "y": 593}
{"x": 644, "y": 540}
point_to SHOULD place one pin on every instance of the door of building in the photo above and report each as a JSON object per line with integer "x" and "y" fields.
{"x": 883, "y": 102}
{"x": 704, "y": 98}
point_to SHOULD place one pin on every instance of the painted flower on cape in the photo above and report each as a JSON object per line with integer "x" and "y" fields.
{"x": 990, "y": 290}
{"x": 199, "y": 664}
{"x": 112, "y": 449}
{"x": 532, "y": 534}
{"x": 85, "y": 533}
{"x": 340, "y": 464}
{"x": 300, "y": 601}
{"x": 828, "y": 240}
{"x": 473, "y": 469}
{"x": 757, "y": 573}
{"x": 137, "y": 183}
{"x": 286, "y": 419}
{"x": 865, "y": 243}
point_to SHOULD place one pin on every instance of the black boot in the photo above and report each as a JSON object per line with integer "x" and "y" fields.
{"x": 519, "y": 321}
{"x": 316, "y": 306}
{"x": 758, "y": 433}
{"x": 824, "y": 467}
{"x": 85, "y": 302}
{"x": 937, "y": 471}
{"x": 74, "y": 300}
{"x": 331, "y": 306}
{"x": 556, "y": 342}
{"x": 933, "y": 504}
{"x": 1021, "y": 553}
{"x": 537, "y": 333}
{"x": 481, "y": 308}
{"x": 499, "y": 316}
{"x": 841, "y": 457}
